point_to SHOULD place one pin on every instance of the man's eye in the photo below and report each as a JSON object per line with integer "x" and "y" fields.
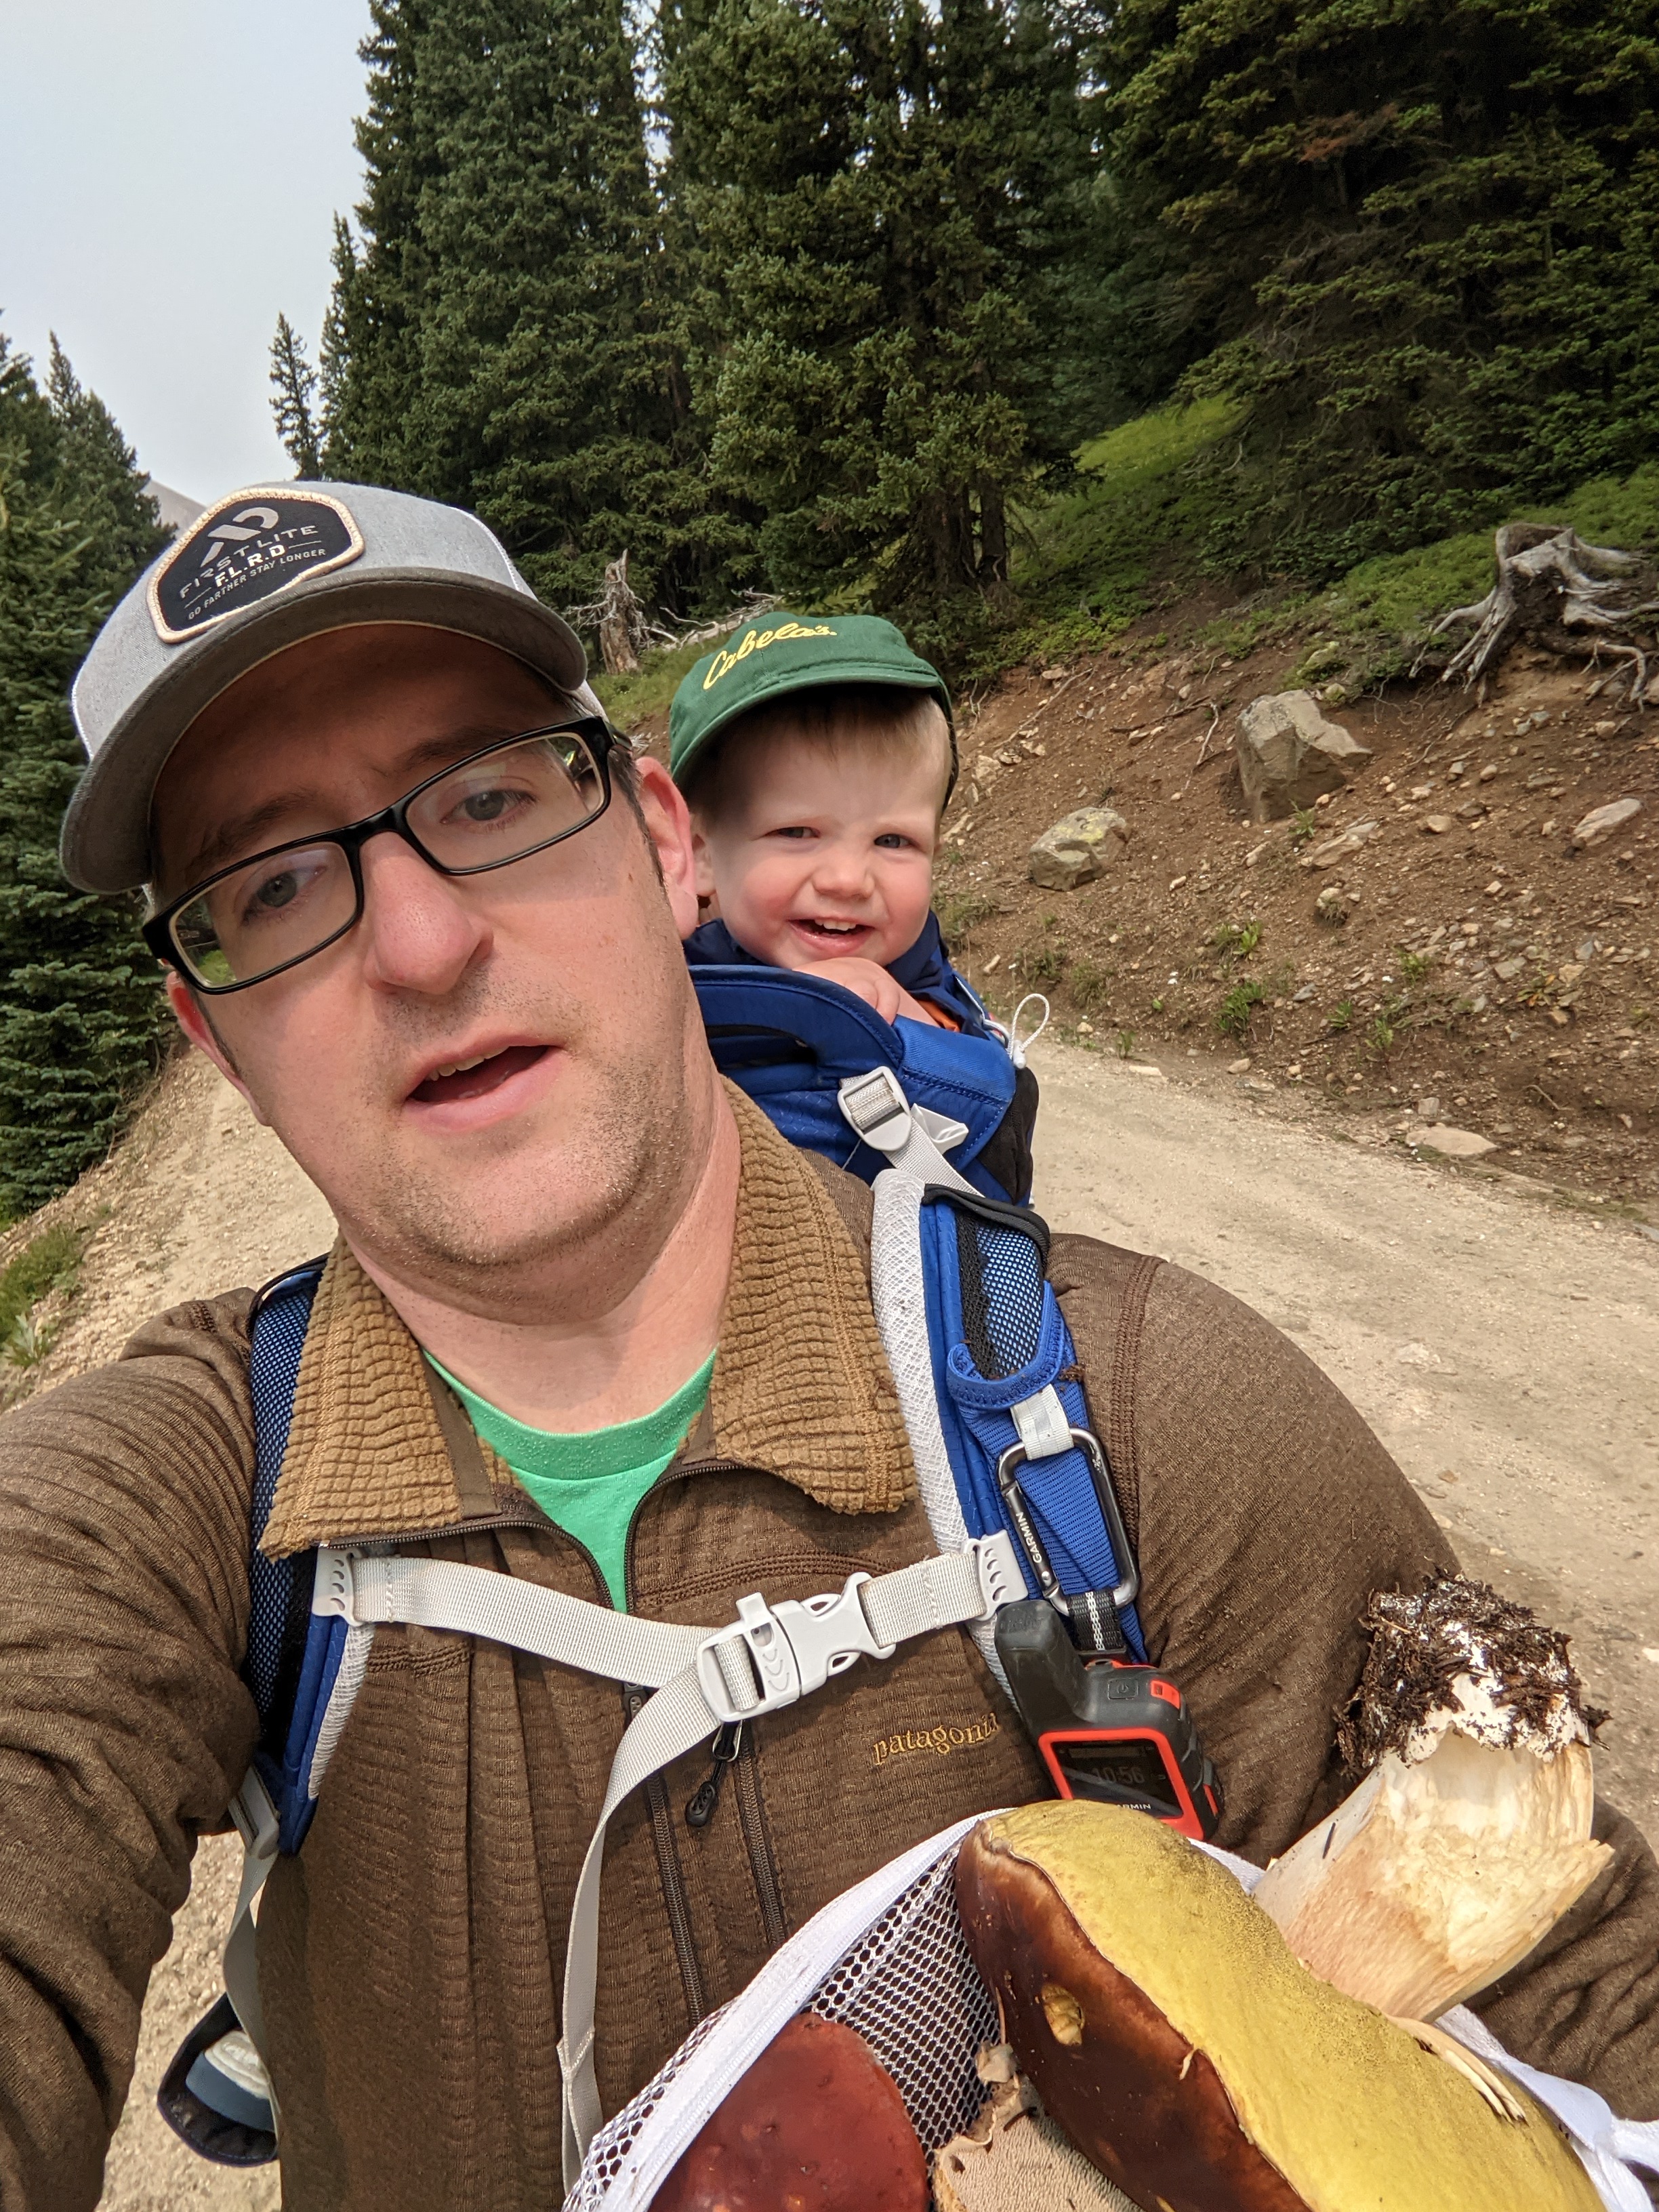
{"x": 496, "y": 803}
{"x": 893, "y": 841}
{"x": 792, "y": 829}
{"x": 277, "y": 890}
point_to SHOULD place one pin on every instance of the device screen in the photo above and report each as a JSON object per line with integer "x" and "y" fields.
{"x": 1116, "y": 1774}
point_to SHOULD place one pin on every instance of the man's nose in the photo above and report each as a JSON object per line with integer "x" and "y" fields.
{"x": 420, "y": 931}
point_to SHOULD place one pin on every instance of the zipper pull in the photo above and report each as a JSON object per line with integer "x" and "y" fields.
{"x": 728, "y": 1742}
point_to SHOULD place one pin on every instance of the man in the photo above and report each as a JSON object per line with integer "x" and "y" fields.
{"x": 458, "y": 998}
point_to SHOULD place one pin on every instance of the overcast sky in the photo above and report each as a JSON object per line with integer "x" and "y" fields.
{"x": 168, "y": 178}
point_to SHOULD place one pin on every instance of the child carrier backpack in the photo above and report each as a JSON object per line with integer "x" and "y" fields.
{"x": 1019, "y": 1498}
{"x": 792, "y": 1040}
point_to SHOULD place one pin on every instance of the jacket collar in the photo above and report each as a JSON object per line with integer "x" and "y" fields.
{"x": 801, "y": 1385}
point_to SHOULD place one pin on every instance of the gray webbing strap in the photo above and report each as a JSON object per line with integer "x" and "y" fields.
{"x": 767, "y": 1658}
{"x": 876, "y": 1106}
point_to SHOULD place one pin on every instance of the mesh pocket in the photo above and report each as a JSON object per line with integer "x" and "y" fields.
{"x": 907, "y": 1984}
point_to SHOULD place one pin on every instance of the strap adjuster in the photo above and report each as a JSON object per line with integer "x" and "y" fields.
{"x": 876, "y": 1106}
{"x": 793, "y": 1648}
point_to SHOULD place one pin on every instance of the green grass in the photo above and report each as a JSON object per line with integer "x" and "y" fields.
{"x": 627, "y": 700}
{"x": 1237, "y": 939}
{"x": 1233, "y": 1017}
{"x": 1089, "y": 983}
{"x": 960, "y": 913}
{"x": 1381, "y": 612}
{"x": 50, "y": 1263}
{"x": 1084, "y": 561}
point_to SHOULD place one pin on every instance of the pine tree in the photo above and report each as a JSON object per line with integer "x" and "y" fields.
{"x": 294, "y": 381}
{"x": 81, "y": 1011}
{"x": 887, "y": 202}
{"x": 1415, "y": 244}
{"x": 497, "y": 338}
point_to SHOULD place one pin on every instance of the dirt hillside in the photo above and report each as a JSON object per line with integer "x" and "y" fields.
{"x": 1474, "y": 958}
{"x": 1504, "y": 1346}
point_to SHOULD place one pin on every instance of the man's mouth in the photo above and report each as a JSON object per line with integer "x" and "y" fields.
{"x": 472, "y": 1078}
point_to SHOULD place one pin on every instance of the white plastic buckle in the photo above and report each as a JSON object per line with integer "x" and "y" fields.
{"x": 945, "y": 1134}
{"x": 794, "y": 1646}
{"x": 877, "y": 1107}
{"x": 333, "y": 1590}
{"x": 1001, "y": 1580}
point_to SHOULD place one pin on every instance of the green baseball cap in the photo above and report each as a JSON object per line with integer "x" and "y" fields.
{"x": 777, "y": 653}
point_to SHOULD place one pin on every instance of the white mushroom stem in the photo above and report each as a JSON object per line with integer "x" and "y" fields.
{"x": 1435, "y": 1878}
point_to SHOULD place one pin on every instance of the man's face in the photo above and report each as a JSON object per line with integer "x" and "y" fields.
{"x": 487, "y": 1070}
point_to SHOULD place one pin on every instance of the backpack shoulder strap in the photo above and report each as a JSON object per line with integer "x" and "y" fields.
{"x": 279, "y": 1595}
{"x": 992, "y": 1396}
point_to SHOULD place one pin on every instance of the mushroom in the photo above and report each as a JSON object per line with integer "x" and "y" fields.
{"x": 1470, "y": 1835}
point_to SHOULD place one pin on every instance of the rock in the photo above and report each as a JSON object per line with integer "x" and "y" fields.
{"x": 1428, "y": 1109}
{"x": 1239, "y": 1066}
{"x": 1454, "y": 1144}
{"x": 1507, "y": 970}
{"x": 1599, "y": 825}
{"x": 1302, "y": 997}
{"x": 1289, "y": 755}
{"x": 1437, "y": 824}
{"x": 1340, "y": 846}
{"x": 1333, "y": 905}
{"x": 987, "y": 769}
{"x": 1471, "y": 811}
{"x": 1078, "y": 847}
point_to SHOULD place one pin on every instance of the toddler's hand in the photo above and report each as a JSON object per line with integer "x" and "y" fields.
{"x": 868, "y": 980}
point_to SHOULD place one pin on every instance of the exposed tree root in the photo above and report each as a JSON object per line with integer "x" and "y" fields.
{"x": 1565, "y": 595}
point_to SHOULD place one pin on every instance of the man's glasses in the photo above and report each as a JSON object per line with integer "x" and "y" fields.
{"x": 267, "y": 912}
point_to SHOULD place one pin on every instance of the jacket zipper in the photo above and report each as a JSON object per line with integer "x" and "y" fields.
{"x": 751, "y": 1819}
{"x": 672, "y": 1874}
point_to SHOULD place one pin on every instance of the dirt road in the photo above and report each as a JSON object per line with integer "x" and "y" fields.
{"x": 1505, "y": 1349}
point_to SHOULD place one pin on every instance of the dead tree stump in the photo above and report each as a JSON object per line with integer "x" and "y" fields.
{"x": 1563, "y": 595}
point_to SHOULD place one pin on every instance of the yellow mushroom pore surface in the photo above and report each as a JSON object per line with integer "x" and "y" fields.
{"x": 1351, "y": 2112}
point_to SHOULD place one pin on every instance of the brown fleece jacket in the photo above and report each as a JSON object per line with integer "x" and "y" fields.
{"x": 411, "y": 1954}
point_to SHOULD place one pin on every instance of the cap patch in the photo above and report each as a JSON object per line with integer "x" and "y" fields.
{"x": 243, "y": 550}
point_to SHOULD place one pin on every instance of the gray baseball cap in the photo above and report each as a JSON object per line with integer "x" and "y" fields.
{"x": 256, "y": 571}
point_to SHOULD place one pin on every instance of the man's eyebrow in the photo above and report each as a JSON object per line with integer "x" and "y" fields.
{"x": 240, "y": 836}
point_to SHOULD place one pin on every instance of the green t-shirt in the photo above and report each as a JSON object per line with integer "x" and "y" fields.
{"x": 591, "y": 1483}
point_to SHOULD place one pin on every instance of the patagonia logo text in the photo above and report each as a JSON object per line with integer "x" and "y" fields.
{"x": 756, "y": 641}
{"x": 940, "y": 1740}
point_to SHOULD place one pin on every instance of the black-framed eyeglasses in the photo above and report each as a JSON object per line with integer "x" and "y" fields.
{"x": 275, "y": 908}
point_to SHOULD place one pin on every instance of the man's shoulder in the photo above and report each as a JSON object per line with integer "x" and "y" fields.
{"x": 188, "y": 1364}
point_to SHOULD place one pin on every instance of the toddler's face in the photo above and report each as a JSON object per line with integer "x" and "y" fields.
{"x": 822, "y": 856}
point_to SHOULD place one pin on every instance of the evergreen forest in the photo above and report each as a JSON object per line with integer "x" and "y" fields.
{"x": 954, "y": 309}
{"x": 822, "y": 296}
{"x": 80, "y": 1004}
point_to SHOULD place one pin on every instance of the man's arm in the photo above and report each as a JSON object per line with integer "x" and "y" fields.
{"x": 124, "y": 1725}
{"x": 1265, "y": 1514}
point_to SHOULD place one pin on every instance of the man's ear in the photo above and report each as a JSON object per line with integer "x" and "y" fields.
{"x": 193, "y": 1018}
{"x": 668, "y": 825}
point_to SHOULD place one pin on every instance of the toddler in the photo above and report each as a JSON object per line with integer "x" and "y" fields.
{"x": 816, "y": 757}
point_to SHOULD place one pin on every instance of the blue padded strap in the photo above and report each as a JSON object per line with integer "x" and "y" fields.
{"x": 1002, "y": 1341}
{"x": 290, "y": 1654}
{"x": 789, "y": 1040}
